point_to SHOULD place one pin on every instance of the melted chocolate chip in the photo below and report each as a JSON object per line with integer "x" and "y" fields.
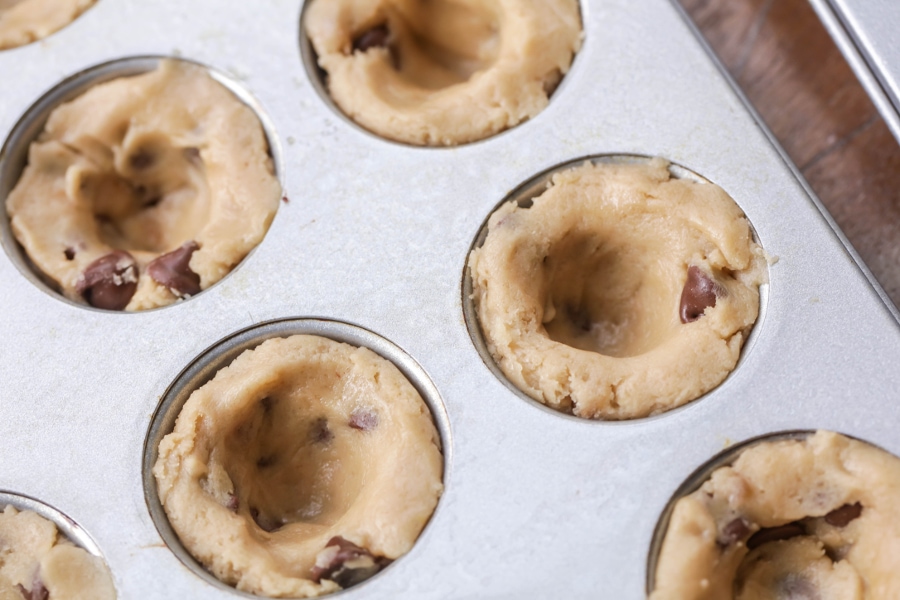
{"x": 363, "y": 419}
{"x": 110, "y": 281}
{"x": 774, "y": 534}
{"x": 264, "y": 522}
{"x": 735, "y": 531}
{"x": 70, "y": 253}
{"x": 345, "y": 576}
{"x": 699, "y": 293}
{"x": 173, "y": 270}
{"x": 376, "y": 37}
{"x": 840, "y": 517}
{"x": 143, "y": 159}
{"x": 319, "y": 433}
{"x": 233, "y": 503}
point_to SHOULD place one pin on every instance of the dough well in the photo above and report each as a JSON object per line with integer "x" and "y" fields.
{"x": 145, "y": 189}
{"x": 817, "y": 518}
{"x": 305, "y": 466}
{"x": 619, "y": 292}
{"x": 443, "y": 72}
{"x": 36, "y": 560}
{"x": 25, "y": 21}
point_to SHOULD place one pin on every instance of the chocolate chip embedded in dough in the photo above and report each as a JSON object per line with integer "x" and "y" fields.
{"x": 142, "y": 159}
{"x": 363, "y": 419}
{"x": 37, "y": 591}
{"x": 264, "y": 522}
{"x": 333, "y": 564}
{"x": 173, "y": 270}
{"x": 376, "y": 37}
{"x": 797, "y": 587}
{"x": 699, "y": 293}
{"x": 840, "y": 517}
{"x": 735, "y": 531}
{"x": 70, "y": 253}
{"x": 319, "y": 433}
{"x": 110, "y": 281}
{"x": 233, "y": 503}
{"x": 774, "y": 534}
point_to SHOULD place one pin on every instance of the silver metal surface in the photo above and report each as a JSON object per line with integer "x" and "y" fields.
{"x": 537, "y": 505}
{"x": 866, "y": 33}
{"x": 66, "y": 526}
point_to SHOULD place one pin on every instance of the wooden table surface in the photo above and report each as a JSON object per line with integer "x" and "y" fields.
{"x": 792, "y": 72}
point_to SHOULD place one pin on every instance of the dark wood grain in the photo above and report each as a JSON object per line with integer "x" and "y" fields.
{"x": 797, "y": 79}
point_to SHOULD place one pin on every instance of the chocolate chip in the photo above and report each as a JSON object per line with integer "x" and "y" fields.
{"x": 319, "y": 432}
{"x": 376, "y": 37}
{"x": 840, "y": 517}
{"x": 363, "y": 419}
{"x": 265, "y": 523}
{"x": 796, "y": 587}
{"x": 143, "y": 159}
{"x": 774, "y": 534}
{"x": 266, "y": 461}
{"x": 233, "y": 503}
{"x": 735, "y": 531}
{"x": 173, "y": 270}
{"x": 699, "y": 293}
{"x": 335, "y": 570}
{"x": 70, "y": 253}
{"x": 285, "y": 199}
{"x": 152, "y": 202}
{"x": 110, "y": 281}
{"x": 37, "y": 591}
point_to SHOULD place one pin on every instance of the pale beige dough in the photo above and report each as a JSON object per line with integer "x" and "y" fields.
{"x": 298, "y": 441}
{"x": 33, "y": 556}
{"x": 796, "y": 486}
{"x": 145, "y": 164}
{"x": 25, "y": 21}
{"x": 454, "y": 71}
{"x": 578, "y": 296}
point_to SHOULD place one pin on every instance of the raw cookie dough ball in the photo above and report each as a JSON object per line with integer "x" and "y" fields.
{"x": 620, "y": 292}
{"x": 815, "y": 519}
{"x": 145, "y": 189}
{"x": 443, "y": 72}
{"x": 24, "y": 21}
{"x": 35, "y": 562}
{"x": 305, "y": 466}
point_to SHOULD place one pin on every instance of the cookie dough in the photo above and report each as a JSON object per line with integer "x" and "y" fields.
{"x": 443, "y": 72}
{"x": 25, "y": 21}
{"x": 619, "y": 292}
{"x": 817, "y": 518}
{"x": 145, "y": 189}
{"x": 36, "y": 562}
{"x": 305, "y": 466}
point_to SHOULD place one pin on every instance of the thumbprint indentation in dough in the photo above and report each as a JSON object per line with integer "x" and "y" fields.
{"x": 604, "y": 297}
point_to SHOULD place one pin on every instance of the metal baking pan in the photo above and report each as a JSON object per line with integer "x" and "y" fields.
{"x": 376, "y": 234}
{"x": 866, "y": 33}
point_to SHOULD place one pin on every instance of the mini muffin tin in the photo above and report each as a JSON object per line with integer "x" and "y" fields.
{"x": 375, "y": 235}
{"x": 866, "y": 33}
